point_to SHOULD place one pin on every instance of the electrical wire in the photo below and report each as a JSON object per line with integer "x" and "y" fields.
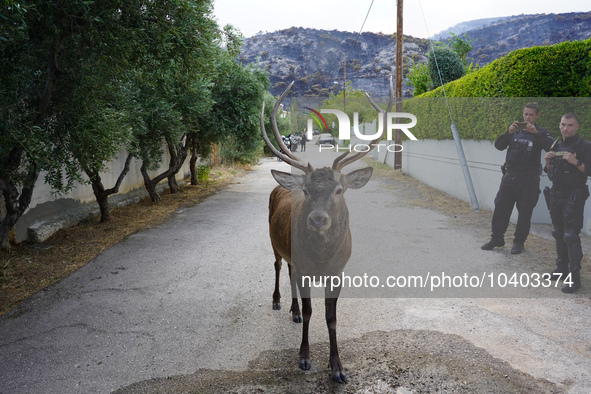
{"x": 436, "y": 64}
{"x": 360, "y": 30}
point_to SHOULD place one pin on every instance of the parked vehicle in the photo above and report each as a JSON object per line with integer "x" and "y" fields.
{"x": 326, "y": 139}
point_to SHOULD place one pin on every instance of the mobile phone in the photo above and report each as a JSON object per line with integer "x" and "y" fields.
{"x": 521, "y": 125}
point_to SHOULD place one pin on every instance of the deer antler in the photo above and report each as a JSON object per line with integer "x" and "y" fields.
{"x": 288, "y": 157}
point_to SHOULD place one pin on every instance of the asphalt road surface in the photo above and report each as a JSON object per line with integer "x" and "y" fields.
{"x": 195, "y": 294}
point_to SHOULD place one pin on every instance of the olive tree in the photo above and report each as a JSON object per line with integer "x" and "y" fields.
{"x": 170, "y": 79}
{"x": 35, "y": 35}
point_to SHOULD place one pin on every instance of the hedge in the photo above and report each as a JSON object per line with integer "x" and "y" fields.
{"x": 484, "y": 103}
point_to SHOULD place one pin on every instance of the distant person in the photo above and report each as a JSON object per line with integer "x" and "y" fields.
{"x": 293, "y": 142}
{"x": 568, "y": 164}
{"x": 303, "y": 142}
{"x": 520, "y": 184}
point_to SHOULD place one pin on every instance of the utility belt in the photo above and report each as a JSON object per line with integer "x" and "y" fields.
{"x": 570, "y": 193}
{"x": 560, "y": 192}
{"x": 508, "y": 170}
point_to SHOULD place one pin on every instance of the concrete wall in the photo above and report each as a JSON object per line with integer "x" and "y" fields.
{"x": 48, "y": 212}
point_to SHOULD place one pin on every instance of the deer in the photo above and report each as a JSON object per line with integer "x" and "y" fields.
{"x": 309, "y": 229}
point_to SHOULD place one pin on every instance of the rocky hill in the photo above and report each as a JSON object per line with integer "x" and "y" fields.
{"x": 314, "y": 58}
{"x": 496, "y": 40}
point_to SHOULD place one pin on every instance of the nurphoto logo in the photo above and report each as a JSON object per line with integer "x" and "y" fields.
{"x": 345, "y": 128}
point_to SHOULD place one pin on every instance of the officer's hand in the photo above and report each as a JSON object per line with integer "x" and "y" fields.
{"x": 549, "y": 156}
{"x": 570, "y": 157}
{"x": 513, "y": 127}
{"x": 531, "y": 128}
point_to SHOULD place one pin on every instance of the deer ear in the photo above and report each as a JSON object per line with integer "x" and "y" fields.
{"x": 358, "y": 178}
{"x": 289, "y": 181}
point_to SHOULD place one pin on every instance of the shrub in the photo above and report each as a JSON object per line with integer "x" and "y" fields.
{"x": 418, "y": 77}
{"x": 562, "y": 70}
{"x": 446, "y": 61}
{"x": 203, "y": 173}
{"x": 483, "y": 103}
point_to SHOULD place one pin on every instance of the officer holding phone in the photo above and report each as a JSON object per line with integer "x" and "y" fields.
{"x": 568, "y": 165}
{"x": 520, "y": 184}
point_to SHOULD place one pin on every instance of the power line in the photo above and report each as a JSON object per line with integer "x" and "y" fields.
{"x": 360, "y": 30}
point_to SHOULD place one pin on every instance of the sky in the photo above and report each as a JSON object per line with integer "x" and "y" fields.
{"x": 421, "y": 18}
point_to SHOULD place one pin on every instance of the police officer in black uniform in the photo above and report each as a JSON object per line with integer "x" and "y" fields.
{"x": 520, "y": 184}
{"x": 568, "y": 164}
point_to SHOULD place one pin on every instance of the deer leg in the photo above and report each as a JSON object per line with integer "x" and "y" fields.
{"x": 305, "y": 346}
{"x": 331, "y": 322}
{"x": 331, "y": 297}
{"x": 295, "y": 307}
{"x": 276, "y": 293}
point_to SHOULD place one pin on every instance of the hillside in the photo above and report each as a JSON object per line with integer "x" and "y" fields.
{"x": 497, "y": 40}
{"x": 314, "y": 58}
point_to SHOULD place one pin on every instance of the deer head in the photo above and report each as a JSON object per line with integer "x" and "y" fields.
{"x": 322, "y": 188}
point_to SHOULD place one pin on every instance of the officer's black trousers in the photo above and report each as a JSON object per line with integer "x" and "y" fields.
{"x": 520, "y": 191}
{"x": 566, "y": 212}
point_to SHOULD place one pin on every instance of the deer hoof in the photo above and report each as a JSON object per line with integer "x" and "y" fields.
{"x": 297, "y": 319}
{"x": 276, "y": 306}
{"x": 305, "y": 364}
{"x": 339, "y": 377}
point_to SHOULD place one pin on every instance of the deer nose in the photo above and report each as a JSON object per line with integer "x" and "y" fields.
{"x": 319, "y": 221}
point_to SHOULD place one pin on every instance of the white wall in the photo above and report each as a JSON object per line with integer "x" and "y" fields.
{"x": 53, "y": 212}
{"x": 436, "y": 163}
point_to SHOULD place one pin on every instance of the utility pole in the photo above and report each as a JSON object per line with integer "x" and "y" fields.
{"x": 345, "y": 85}
{"x": 397, "y": 132}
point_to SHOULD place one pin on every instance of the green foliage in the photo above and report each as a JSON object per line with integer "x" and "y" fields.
{"x": 461, "y": 46}
{"x": 485, "y": 102}
{"x": 203, "y": 172}
{"x": 561, "y": 70}
{"x": 82, "y": 80}
{"x": 419, "y": 78}
{"x": 356, "y": 102}
{"x": 444, "y": 65}
{"x": 485, "y": 118}
{"x": 238, "y": 93}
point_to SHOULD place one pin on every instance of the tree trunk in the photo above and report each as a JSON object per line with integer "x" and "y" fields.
{"x": 178, "y": 154}
{"x": 102, "y": 195}
{"x": 103, "y": 203}
{"x": 15, "y": 205}
{"x": 173, "y": 185}
{"x": 193, "y": 143}
{"x": 150, "y": 184}
{"x": 6, "y": 225}
{"x": 193, "y": 167}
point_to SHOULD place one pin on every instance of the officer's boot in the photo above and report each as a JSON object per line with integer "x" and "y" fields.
{"x": 562, "y": 259}
{"x": 575, "y": 254}
{"x": 572, "y": 285}
{"x": 495, "y": 241}
{"x": 561, "y": 270}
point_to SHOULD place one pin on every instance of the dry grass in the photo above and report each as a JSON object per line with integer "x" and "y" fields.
{"x": 28, "y": 268}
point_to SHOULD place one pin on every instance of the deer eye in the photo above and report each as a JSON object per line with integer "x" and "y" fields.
{"x": 339, "y": 191}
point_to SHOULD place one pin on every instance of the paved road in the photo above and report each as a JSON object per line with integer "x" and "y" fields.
{"x": 196, "y": 293}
